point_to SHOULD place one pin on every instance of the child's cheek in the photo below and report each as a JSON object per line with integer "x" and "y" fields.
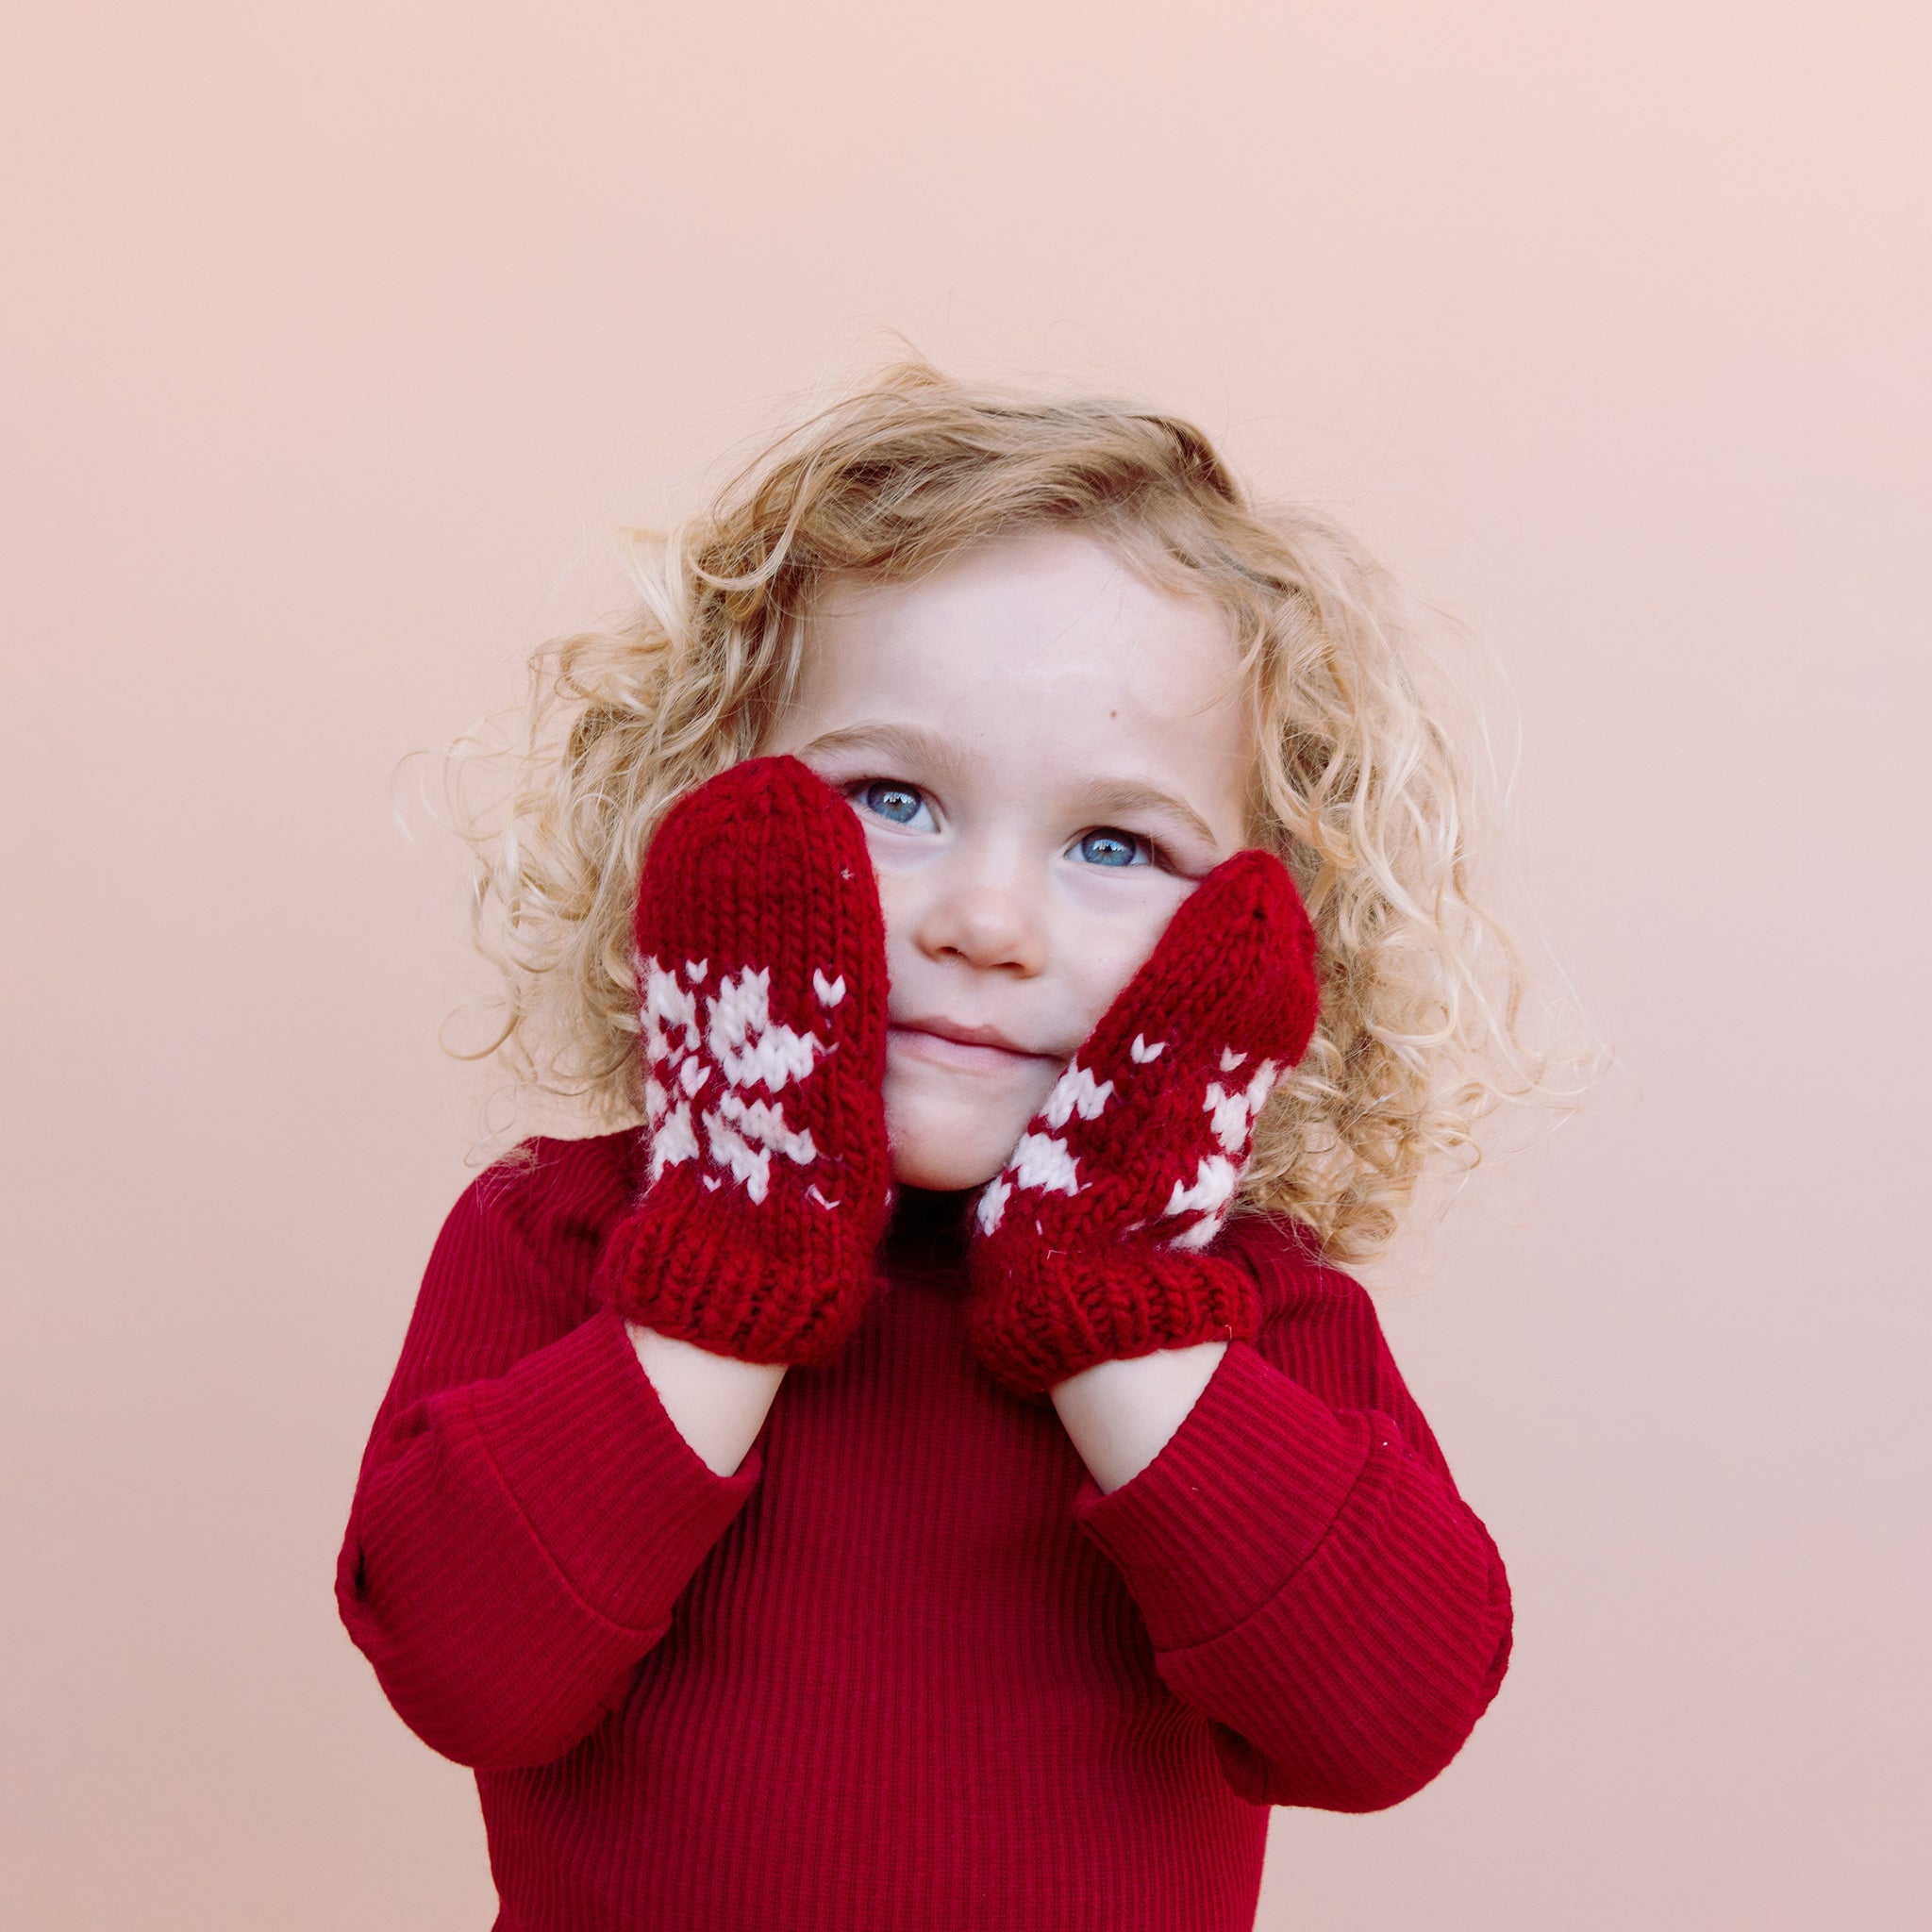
{"x": 907, "y": 907}
{"x": 1113, "y": 938}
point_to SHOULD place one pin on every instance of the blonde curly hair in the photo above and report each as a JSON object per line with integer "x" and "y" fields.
{"x": 1369, "y": 786}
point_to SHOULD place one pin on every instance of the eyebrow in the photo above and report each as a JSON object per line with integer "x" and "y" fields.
{"x": 943, "y": 755}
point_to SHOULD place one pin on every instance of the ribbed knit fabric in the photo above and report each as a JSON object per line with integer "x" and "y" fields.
{"x": 1089, "y": 1246}
{"x": 908, "y": 1667}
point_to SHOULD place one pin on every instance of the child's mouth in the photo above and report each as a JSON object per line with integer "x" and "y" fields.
{"x": 971, "y": 1056}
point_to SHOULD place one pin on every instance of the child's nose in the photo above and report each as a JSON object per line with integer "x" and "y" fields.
{"x": 988, "y": 924}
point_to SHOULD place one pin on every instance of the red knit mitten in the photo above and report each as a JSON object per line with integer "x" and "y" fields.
{"x": 762, "y": 987}
{"x": 1087, "y": 1245}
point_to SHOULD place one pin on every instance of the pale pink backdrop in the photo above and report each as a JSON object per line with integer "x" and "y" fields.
{"x": 336, "y": 339}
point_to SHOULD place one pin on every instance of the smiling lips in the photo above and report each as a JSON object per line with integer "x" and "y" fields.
{"x": 967, "y": 1048}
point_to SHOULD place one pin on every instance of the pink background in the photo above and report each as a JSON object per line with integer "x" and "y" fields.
{"x": 336, "y": 338}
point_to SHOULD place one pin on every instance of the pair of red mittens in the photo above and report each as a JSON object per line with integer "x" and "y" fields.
{"x": 763, "y": 996}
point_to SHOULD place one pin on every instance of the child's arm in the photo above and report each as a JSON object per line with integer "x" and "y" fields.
{"x": 526, "y": 1514}
{"x": 1308, "y": 1575}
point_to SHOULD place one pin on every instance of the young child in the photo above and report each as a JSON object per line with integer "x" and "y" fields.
{"x": 1010, "y": 891}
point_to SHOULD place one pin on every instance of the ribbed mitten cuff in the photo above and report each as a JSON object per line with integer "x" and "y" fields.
{"x": 1035, "y": 1325}
{"x": 679, "y": 1264}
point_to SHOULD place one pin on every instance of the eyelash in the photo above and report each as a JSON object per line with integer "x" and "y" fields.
{"x": 1157, "y": 853}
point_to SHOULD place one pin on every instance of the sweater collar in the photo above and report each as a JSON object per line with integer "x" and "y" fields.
{"x": 926, "y": 1230}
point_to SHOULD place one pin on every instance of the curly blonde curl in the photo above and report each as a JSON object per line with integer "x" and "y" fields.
{"x": 1373, "y": 784}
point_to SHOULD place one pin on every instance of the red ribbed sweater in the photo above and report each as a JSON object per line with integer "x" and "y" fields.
{"x": 908, "y": 1667}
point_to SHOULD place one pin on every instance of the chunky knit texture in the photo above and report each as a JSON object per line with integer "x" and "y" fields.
{"x": 1088, "y": 1243}
{"x": 763, "y": 995}
{"x": 907, "y": 1668}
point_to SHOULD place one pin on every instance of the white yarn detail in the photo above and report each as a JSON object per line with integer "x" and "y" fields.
{"x": 1143, "y": 1052}
{"x": 1075, "y": 1089}
{"x": 667, "y": 1006}
{"x": 1230, "y": 1059}
{"x": 1208, "y": 1197}
{"x": 746, "y": 1042}
{"x": 829, "y": 992}
{"x": 751, "y": 1166}
{"x": 993, "y": 1203}
{"x": 1197, "y": 1234}
{"x": 738, "y": 1039}
{"x": 1042, "y": 1161}
{"x": 1211, "y": 1189}
{"x": 764, "y": 1121}
{"x": 1235, "y": 1111}
{"x": 672, "y": 1141}
{"x": 1230, "y": 1111}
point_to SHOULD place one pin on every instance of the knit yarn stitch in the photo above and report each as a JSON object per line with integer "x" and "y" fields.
{"x": 1087, "y": 1246}
{"x": 762, "y": 996}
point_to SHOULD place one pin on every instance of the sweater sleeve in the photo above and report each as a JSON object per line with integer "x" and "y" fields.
{"x": 1308, "y": 1576}
{"x": 526, "y": 1514}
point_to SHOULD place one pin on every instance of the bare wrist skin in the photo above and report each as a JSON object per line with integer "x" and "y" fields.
{"x": 717, "y": 1402}
{"x": 1122, "y": 1414}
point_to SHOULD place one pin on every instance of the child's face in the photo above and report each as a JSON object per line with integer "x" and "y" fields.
{"x": 994, "y": 726}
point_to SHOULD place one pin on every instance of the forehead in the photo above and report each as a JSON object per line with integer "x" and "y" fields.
{"x": 1046, "y": 614}
{"x": 1043, "y": 663}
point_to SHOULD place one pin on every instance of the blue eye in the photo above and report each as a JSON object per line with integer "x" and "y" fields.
{"x": 892, "y": 800}
{"x": 1109, "y": 847}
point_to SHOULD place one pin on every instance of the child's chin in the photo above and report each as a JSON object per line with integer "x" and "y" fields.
{"x": 947, "y": 1148}
{"x": 942, "y": 1169}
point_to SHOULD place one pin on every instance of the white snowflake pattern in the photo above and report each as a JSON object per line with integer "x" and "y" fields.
{"x": 1044, "y": 1163}
{"x": 735, "y": 1043}
{"x": 1233, "y": 1111}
